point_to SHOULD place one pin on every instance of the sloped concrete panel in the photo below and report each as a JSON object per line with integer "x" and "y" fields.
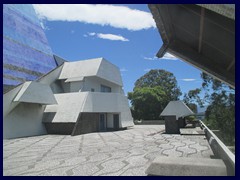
{"x": 34, "y": 92}
{"x": 94, "y": 67}
{"x": 109, "y": 72}
{"x": 68, "y": 108}
{"x": 80, "y": 68}
{"x": 125, "y": 116}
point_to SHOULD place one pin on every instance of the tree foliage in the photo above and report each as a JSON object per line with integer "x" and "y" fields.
{"x": 220, "y": 113}
{"x": 151, "y": 94}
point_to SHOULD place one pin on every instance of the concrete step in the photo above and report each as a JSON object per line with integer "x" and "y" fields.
{"x": 183, "y": 166}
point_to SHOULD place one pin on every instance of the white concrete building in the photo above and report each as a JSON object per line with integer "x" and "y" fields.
{"x": 75, "y": 98}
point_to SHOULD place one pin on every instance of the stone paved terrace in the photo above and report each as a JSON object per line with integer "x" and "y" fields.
{"x": 124, "y": 153}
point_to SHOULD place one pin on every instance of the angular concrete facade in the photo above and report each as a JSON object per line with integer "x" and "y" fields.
{"x": 75, "y": 98}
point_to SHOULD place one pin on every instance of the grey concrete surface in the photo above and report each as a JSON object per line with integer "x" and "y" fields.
{"x": 181, "y": 166}
{"x": 118, "y": 153}
{"x": 35, "y": 92}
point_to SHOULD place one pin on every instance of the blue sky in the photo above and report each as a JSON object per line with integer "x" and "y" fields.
{"x": 123, "y": 34}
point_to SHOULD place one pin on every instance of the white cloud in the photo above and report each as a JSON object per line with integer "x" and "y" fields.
{"x": 101, "y": 14}
{"x": 112, "y": 37}
{"x": 188, "y": 79}
{"x": 92, "y": 34}
{"x": 150, "y": 58}
{"x": 123, "y": 70}
{"x": 146, "y": 70}
{"x": 169, "y": 56}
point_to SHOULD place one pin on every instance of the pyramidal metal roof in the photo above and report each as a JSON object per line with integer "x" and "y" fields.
{"x": 176, "y": 108}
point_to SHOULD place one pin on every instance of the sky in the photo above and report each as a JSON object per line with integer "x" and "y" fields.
{"x": 124, "y": 34}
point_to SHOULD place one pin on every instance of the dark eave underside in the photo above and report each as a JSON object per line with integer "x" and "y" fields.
{"x": 201, "y": 37}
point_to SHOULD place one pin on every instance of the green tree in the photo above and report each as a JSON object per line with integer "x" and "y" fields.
{"x": 220, "y": 113}
{"x": 151, "y": 94}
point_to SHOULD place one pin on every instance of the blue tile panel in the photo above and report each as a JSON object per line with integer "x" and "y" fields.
{"x": 26, "y": 53}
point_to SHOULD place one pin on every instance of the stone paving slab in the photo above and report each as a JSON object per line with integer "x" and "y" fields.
{"x": 118, "y": 153}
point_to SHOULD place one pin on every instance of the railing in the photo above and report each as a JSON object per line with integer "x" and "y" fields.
{"x": 219, "y": 149}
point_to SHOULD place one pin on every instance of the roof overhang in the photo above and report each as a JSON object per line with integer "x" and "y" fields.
{"x": 203, "y": 36}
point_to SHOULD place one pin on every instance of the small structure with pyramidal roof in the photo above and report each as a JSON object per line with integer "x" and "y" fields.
{"x": 174, "y": 114}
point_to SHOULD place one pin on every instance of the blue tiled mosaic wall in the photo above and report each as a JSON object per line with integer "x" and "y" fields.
{"x": 26, "y": 53}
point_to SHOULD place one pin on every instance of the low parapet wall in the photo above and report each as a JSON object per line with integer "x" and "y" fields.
{"x": 219, "y": 149}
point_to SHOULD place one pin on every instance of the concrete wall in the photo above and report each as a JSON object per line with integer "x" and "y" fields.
{"x": 18, "y": 123}
{"x": 52, "y": 79}
{"x": 86, "y": 123}
{"x": 24, "y": 119}
{"x": 65, "y": 86}
{"x": 110, "y": 103}
{"x": 59, "y": 128}
{"x": 8, "y": 104}
{"x": 171, "y": 125}
{"x": 57, "y": 87}
{"x": 68, "y": 108}
{"x": 76, "y": 86}
{"x": 95, "y": 83}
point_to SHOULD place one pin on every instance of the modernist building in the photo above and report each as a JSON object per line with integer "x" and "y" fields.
{"x": 74, "y": 98}
{"x": 26, "y": 53}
